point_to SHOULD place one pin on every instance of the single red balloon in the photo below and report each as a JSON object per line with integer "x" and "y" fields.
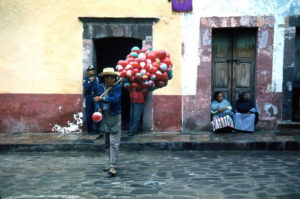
{"x": 97, "y": 117}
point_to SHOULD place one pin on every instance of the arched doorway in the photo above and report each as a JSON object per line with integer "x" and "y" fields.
{"x": 107, "y": 52}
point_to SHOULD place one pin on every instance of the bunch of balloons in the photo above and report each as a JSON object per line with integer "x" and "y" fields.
{"x": 145, "y": 68}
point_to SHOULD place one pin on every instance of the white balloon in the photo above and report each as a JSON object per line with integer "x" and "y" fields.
{"x": 142, "y": 55}
{"x": 119, "y": 67}
{"x": 142, "y": 64}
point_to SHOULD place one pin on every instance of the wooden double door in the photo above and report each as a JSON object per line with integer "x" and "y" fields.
{"x": 233, "y": 65}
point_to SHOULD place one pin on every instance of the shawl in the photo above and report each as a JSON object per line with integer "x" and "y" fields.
{"x": 215, "y": 105}
{"x": 244, "y": 106}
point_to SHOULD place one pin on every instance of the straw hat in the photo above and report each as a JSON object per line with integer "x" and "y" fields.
{"x": 108, "y": 71}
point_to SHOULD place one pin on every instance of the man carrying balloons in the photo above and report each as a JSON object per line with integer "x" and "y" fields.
{"x": 143, "y": 70}
{"x": 90, "y": 84}
{"x": 109, "y": 105}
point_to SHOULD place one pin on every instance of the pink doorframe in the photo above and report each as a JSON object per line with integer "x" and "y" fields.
{"x": 196, "y": 109}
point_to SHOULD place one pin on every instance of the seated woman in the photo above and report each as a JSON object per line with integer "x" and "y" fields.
{"x": 246, "y": 115}
{"x": 221, "y": 114}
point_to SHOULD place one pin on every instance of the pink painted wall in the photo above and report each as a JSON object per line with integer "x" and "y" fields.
{"x": 37, "y": 112}
{"x": 167, "y": 113}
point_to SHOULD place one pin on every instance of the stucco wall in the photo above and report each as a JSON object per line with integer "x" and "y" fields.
{"x": 41, "y": 41}
{"x": 190, "y": 29}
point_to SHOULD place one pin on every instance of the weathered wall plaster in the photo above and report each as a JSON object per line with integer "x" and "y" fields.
{"x": 199, "y": 119}
{"x": 190, "y": 31}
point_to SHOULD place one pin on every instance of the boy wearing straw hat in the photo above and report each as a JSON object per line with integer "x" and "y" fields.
{"x": 110, "y": 107}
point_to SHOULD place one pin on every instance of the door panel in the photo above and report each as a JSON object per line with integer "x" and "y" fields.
{"x": 221, "y": 69}
{"x": 221, "y": 81}
{"x": 221, "y": 74}
{"x": 242, "y": 73}
{"x": 243, "y": 41}
{"x": 233, "y": 62}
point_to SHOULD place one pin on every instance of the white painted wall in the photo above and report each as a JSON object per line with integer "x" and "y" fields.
{"x": 190, "y": 31}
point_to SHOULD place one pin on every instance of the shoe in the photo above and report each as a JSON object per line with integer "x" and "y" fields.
{"x": 112, "y": 171}
{"x": 106, "y": 169}
{"x": 129, "y": 134}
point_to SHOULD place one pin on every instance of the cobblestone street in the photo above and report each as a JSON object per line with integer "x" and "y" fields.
{"x": 151, "y": 174}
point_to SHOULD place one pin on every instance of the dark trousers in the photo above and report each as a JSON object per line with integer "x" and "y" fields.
{"x": 136, "y": 111}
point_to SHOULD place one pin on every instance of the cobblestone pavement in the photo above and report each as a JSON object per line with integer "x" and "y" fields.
{"x": 151, "y": 174}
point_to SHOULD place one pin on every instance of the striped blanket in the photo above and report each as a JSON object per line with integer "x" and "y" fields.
{"x": 222, "y": 122}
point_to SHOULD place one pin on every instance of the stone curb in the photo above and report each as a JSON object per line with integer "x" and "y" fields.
{"x": 162, "y": 146}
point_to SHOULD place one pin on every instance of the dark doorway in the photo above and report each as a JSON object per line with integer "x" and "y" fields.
{"x": 233, "y": 65}
{"x": 108, "y": 51}
{"x": 296, "y": 84}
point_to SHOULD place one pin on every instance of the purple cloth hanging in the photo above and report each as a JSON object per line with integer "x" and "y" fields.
{"x": 182, "y": 5}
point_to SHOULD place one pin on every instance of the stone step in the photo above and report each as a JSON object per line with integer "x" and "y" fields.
{"x": 288, "y": 125}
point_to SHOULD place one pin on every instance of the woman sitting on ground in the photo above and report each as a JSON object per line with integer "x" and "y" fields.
{"x": 221, "y": 114}
{"x": 246, "y": 115}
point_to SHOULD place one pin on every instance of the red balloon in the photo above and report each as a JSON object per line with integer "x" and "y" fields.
{"x": 125, "y": 63}
{"x": 160, "y": 84}
{"x": 167, "y": 61}
{"x": 141, "y": 59}
{"x": 151, "y": 55}
{"x": 148, "y": 46}
{"x": 168, "y": 55}
{"x": 135, "y": 70}
{"x": 123, "y": 73}
{"x": 129, "y": 67}
{"x": 153, "y": 69}
{"x": 162, "y": 54}
{"x": 143, "y": 71}
{"x": 147, "y": 67}
{"x": 169, "y": 69}
{"x": 132, "y": 79}
{"x": 119, "y": 67}
{"x": 135, "y": 64}
{"x": 145, "y": 84}
{"x": 97, "y": 117}
{"x": 164, "y": 76}
{"x": 155, "y": 64}
{"x": 130, "y": 59}
{"x": 120, "y": 62}
{"x": 129, "y": 73}
{"x": 148, "y": 74}
{"x": 144, "y": 49}
{"x": 158, "y": 75}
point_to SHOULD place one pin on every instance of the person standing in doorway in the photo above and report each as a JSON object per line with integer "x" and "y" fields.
{"x": 137, "y": 100}
{"x": 110, "y": 107}
{"x": 90, "y": 83}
